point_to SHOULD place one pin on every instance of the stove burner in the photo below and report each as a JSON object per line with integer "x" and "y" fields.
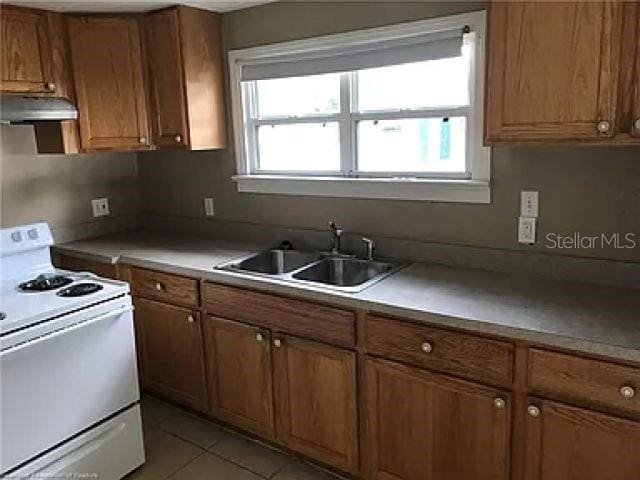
{"x": 79, "y": 290}
{"x": 42, "y": 283}
{"x": 3, "y": 315}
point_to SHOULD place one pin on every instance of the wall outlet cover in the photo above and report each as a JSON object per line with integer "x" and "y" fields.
{"x": 527, "y": 230}
{"x": 529, "y": 204}
{"x": 208, "y": 207}
{"x": 100, "y": 207}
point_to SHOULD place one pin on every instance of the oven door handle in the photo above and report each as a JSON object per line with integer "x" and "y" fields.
{"x": 56, "y": 333}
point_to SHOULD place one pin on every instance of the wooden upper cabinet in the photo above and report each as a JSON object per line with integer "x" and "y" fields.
{"x": 552, "y": 72}
{"x": 565, "y": 442}
{"x": 170, "y": 344}
{"x": 425, "y": 426}
{"x": 630, "y": 88}
{"x": 108, "y": 72}
{"x": 315, "y": 398}
{"x": 184, "y": 60}
{"x": 239, "y": 366}
{"x": 26, "y": 52}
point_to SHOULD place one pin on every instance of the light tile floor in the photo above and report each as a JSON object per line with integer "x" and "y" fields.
{"x": 181, "y": 446}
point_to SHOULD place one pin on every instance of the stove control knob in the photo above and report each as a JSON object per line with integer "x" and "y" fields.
{"x": 33, "y": 234}
{"x": 16, "y": 236}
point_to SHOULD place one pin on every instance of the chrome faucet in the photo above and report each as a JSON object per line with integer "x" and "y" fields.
{"x": 370, "y": 246}
{"x": 336, "y": 234}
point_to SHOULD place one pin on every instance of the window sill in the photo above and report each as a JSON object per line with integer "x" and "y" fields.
{"x": 462, "y": 191}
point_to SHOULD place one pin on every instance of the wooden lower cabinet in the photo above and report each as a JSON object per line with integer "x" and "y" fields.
{"x": 171, "y": 353}
{"x": 316, "y": 400}
{"x": 425, "y": 426}
{"x": 565, "y": 442}
{"x": 374, "y": 417}
{"x": 239, "y": 366}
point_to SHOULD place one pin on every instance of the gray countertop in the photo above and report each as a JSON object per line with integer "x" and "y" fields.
{"x": 579, "y": 316}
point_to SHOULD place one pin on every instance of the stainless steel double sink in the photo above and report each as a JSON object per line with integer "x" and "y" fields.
{"x": 344, "y": 273}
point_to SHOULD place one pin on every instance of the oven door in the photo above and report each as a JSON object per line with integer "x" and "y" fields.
{"x": 70, "y": 374}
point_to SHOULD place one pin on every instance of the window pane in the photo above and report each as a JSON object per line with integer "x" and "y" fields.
{"x": 298, "y": 96}
{"x": 434, "y": 83}
{"x": 412, "y": 145}
{"x": 299, "y": 147}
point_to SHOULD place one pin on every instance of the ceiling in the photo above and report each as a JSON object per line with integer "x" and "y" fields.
{"x": 133, "y": 5}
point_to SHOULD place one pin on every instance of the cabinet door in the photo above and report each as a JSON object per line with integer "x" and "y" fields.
{"x": 239, "y": 366}
{"x": 635, "y": 110}
{"x": 552, "y": 71}
{"x": 26, "y": 52}
{"x": 566, "y": 442}
{"x": 315, "y": 395}
{"x": 107, "y": 68}
{"x": 425, "y": 426}
{"x": 171, "y": 344}
{"x": 166, "y": 80}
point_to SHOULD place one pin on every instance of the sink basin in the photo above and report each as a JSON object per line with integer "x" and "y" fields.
{"x": 275, "y": 262}
{"x": 346, "y": 272}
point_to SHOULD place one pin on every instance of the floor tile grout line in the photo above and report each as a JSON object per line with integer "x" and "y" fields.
{"x": 178, "y": 412}
{"x": 291, "y": 460}
{"x": 186, "y": 464}
{"x": 190, "y": 442}
{"x": 244, "y": 467}
{"x": 208, "y": 450}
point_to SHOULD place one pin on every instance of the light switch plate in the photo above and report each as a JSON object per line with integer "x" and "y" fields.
{"x": 529, "y": 204}
{"x": 100, "y": 207}
{"x": 208, "y": 207}
{"x": 527, "y": 230}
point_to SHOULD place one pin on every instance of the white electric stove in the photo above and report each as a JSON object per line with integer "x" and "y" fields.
{"x": 69, "y": 398}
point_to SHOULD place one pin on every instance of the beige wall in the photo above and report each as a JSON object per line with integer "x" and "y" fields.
{"x": 59, "y": 188}
{"x": 587, "y": 190}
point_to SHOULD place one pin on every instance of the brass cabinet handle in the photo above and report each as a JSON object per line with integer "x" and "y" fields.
{"x": 277, "y": 343}
{"x": 159, "y": 286}
{"x": 636, "y": 124}
{"x": 604, "y": 126}
{"x": 499, "y": 403}
{"x": 143, "y": 140}
{"x": 533, "y": 411}
{"x": 51, "y": 87}
{"x": 426, "y": 347}
{"x": 178, "y": 138}
{"x": 259, "y": 337}
{"x": 627, "y": 391}
{"x": 190, "y": 319}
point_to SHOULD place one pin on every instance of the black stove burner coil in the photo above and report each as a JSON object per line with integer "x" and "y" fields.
{"x": 43, "y": 283}
{"x": 79, "y": 290}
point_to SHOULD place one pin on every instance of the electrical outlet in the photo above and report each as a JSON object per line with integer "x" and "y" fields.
{"x": 529, "y": 204}
{"x": 208, "y": 207}
{"x": 100, "y": 207}
{"x": 527, "y": 230}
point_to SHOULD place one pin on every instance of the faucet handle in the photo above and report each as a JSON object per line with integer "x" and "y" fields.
{"x": 370, "y": 245}
{"x": 335, "y": 230}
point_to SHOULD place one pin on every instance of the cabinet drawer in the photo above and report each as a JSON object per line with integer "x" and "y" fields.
{"x": 297, "y": 317}
{"x": 443, "y": 350}
{"x": 585, "y": 379}
{"x": 165, "y": 287}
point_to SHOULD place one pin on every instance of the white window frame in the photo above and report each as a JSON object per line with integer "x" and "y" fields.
{"x": 470, "y": 187}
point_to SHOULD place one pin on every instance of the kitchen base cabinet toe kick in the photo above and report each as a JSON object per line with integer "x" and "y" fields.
{"x": 382, "y": 398}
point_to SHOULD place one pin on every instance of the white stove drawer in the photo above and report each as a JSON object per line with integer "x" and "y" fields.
{"x": 54, "y": 386}
{"x": 108, "y": 451}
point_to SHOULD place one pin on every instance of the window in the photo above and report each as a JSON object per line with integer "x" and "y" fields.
{"x": 393, "y": 112}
